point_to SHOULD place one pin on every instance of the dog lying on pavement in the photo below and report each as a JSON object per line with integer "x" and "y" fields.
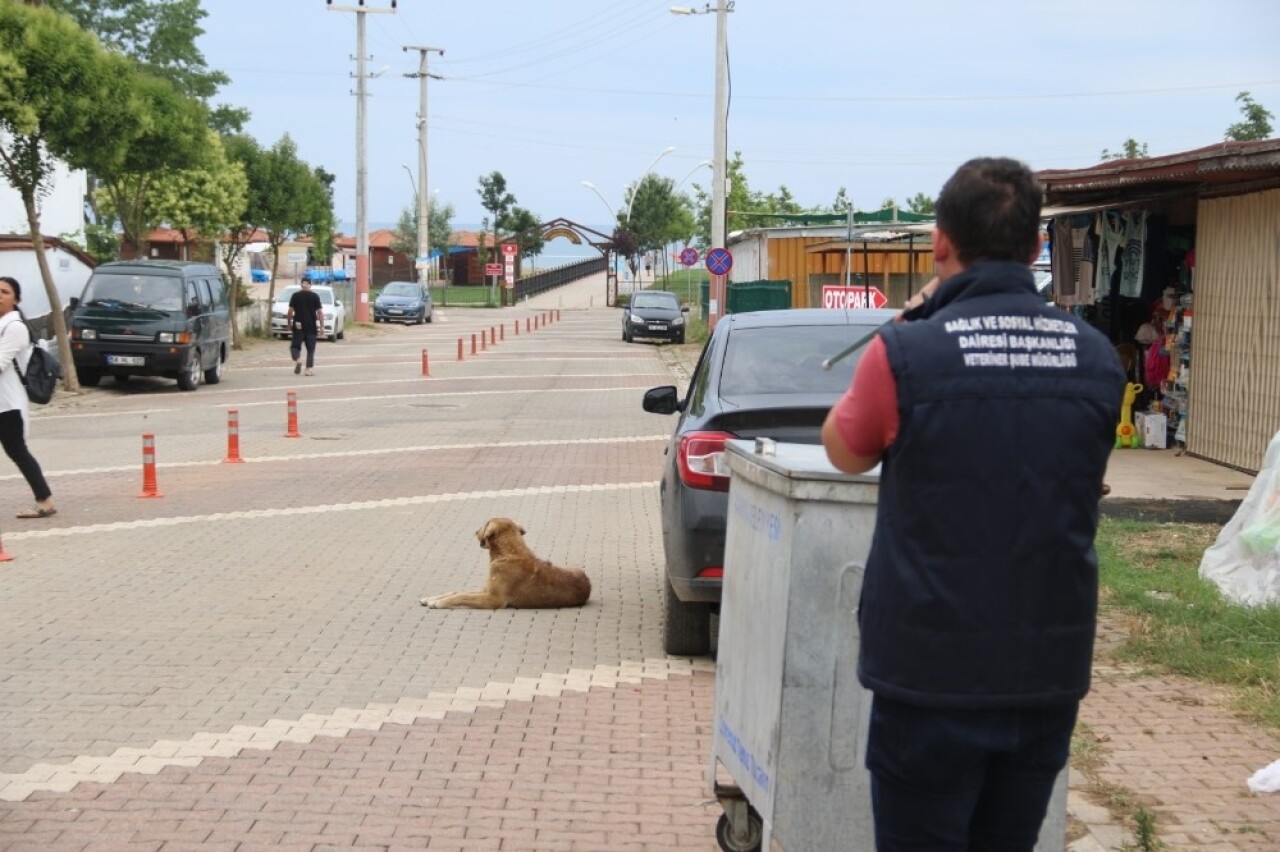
{"x": 517, "y": 578}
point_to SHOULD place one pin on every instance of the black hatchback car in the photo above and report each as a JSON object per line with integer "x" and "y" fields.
{"x": 654, "y": 313}
{"x": 759, "y": 375}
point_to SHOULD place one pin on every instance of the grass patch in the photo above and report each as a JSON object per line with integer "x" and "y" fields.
{"x": 1180, "y": 623}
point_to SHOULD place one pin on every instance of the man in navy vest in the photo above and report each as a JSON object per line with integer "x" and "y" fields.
{"x": 991, "y": 414}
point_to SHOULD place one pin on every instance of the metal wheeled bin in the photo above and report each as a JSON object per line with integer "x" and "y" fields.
{"x": 790, "y": 728}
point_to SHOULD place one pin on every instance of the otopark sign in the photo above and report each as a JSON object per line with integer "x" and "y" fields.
{"x": 853, "y": 298}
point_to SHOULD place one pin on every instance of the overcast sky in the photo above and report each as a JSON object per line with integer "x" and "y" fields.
{"x": 882, "y": 98}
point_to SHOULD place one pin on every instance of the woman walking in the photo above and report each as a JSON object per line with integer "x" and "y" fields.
{"x": 15, "y": 342}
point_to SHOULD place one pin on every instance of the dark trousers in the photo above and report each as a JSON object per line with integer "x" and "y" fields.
{"x": 15, "y": 447}
{"x": 964, "y": 780}
{"x": 301, "y": 338}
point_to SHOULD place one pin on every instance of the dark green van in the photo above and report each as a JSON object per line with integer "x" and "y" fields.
{"x": 152, "y": 318}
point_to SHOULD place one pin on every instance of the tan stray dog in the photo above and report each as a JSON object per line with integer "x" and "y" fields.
{"x": 517, "y": 578}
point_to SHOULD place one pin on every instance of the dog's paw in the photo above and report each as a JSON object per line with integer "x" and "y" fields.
{"x": 430, "y": 602}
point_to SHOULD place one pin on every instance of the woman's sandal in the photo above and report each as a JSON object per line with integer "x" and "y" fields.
{"x": 38, "y": 512}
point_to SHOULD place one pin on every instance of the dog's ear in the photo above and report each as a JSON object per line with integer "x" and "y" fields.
{"x": 484, "y": 534}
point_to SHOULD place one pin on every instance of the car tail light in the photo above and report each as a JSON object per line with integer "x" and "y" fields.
{"x": 701, "y": 460}
{"x": 712, "y": 571}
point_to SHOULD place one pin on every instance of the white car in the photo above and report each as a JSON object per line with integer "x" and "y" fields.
{"x": 335, "y": 315}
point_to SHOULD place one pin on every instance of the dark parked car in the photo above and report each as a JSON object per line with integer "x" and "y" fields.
{"x": 165, "y": 318}
{"x": 403, "y": 301}
{"x": 759, "y": 375}
{"x": 653, "y": 313}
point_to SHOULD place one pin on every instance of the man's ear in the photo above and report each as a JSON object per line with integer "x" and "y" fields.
{"x": 944, "y": 251}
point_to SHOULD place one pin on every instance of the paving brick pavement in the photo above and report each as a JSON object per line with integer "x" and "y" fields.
{"x": 194, "y": 672}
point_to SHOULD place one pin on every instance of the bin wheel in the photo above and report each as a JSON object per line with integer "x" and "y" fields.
{"x": 752, "y": 836}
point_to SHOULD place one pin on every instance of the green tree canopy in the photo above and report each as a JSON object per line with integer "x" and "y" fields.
{"x": 66, "y": 98}
{"x": 204, "y": 201}
{"x": 1132, "y": 149}
{"x": 495, "y": 198}
{"x": 1256, "y": 123}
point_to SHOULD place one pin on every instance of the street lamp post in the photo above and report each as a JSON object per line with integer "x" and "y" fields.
{"x": 631, "y": 202}
{"x": 719, "y": 142}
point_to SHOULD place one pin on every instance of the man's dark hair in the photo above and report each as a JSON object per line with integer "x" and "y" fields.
{"x": 990, "y": 209}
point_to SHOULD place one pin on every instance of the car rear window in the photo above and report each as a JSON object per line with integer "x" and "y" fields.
{"x": 788, "y": 359}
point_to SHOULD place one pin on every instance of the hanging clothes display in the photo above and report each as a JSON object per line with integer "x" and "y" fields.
{"x": 1135, "y": 241}
{"x": 1111, "y": 241}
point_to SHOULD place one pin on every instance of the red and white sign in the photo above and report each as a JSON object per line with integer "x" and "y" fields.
{"x": 493, "y": 269}
{"x": 509, "y": 249}
{"x": 852, "y": 298}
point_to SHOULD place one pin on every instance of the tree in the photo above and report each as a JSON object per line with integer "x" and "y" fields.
{"x": 659, "y": 216}
{"x": 1256, "y": 124}
{"x": 525, "y": 227}
{"x": 161, "y": 36}
{"x": 1131, "y": 150}
{"x": 921, "y": 203}
{"x": 495, "y": 198}
{"x": 439, "y": 227}
{"x": 292, "y": 199}
{"x": 63, "y": 97}
{"x": 205, "y": 201}
{"x": 841, "y": 203}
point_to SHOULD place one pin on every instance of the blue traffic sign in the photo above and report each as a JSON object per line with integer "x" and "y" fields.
{"x": 719, "y": 261}
{"x": 689, "y": 256}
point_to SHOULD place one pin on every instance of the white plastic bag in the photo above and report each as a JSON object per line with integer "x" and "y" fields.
{"x": 1244, "y": 563}
{"x": 1266, "y": 779}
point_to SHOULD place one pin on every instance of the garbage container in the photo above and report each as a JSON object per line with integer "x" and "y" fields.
{"x": 791, "y": 719}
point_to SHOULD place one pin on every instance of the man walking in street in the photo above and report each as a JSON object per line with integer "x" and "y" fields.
{"x": 306, "y": 319}
{"x": 992, "y": 415}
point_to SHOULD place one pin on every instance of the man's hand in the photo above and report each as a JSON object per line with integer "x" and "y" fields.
{"x": 919, "y": 298}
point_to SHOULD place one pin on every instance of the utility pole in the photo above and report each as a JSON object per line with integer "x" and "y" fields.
{"x": 424, "y": 216}
{"x": 362, "y": 193}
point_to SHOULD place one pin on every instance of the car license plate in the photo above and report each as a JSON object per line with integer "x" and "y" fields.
{"x": 126, "y": 360}
{"x": 394, "y": 311}
{"x": 657, "y": 326}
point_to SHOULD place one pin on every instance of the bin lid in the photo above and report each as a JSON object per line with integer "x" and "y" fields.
{"x": 798, "y": 461}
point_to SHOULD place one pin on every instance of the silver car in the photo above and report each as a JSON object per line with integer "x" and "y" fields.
{"x": 335, "y": 315}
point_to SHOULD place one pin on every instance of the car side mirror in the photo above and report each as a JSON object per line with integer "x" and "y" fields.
{"x": 684, "y": 309}
{"x": 75, "y": 300}
{"x": 337, "y": 303}
{"x": 661, "y": 400}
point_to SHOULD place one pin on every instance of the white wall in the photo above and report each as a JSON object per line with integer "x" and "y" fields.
{"x": 70, "y": 274}
{"x": 61, "y": 211}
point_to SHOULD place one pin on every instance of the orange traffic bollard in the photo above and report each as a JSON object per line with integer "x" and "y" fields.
{"x": 483, "y": 337}
{"x": 293, "y": 416}
{"x": 4, "y": 557}
{"x": 517, "y": 325}
{"x": 149, "y": 467}
{"x": 459, "y": 348}
{"x": 473, "y": 344}
{"x": 233, "y": 438}
{"x": 426, "y": 365}
{"x": 526, "y": 324}
{"x": 557, "y": 315}
{"x": 502, "y": 332}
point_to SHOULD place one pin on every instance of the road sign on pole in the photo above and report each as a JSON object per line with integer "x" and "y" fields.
{"x": 689, "y": 256}
{"x": 719, "y": 261}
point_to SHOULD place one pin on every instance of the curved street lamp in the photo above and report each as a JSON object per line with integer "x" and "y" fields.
{"x": 591, "y": 186}
{"x": 665, "y": 151}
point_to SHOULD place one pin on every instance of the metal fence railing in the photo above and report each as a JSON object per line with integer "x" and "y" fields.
{"x": 540, "y": 282}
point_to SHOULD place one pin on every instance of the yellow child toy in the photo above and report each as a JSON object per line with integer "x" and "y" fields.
{"x": 1126, "y": 434}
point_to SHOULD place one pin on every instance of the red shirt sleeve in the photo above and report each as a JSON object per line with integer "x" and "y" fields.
{"x": 867, "y": 415}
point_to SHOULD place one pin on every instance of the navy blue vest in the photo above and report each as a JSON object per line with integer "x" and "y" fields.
{"x": 981, "y": 586}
